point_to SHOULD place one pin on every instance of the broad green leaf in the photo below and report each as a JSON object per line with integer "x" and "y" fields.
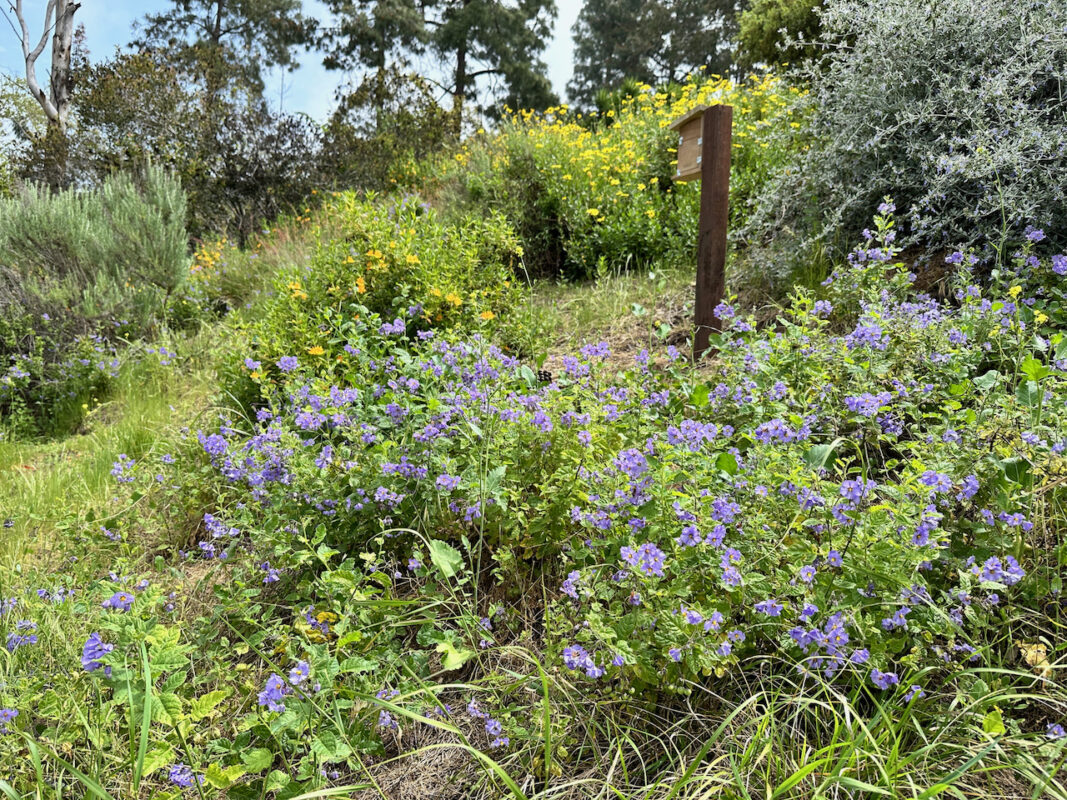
{"x": 1034, "y": 369}
{"x": 205, "y": 705}
{"x": 276, "y": 781}
{"x": 821, "y": 456}
{"x": 993, "y": 723}
{"x": 727, "y": 462}
{"x": 699, "y": 397}
{"x": 987, "y": 381}
{"x": 223, "y": 778}
{"x": 167, "y": 708}
{"x": 445, "y": 557}
{"x": 157, "y": 757}
{"x": 355, "y": 664}
{"x": 453, "y": 658}
{"x": 1029, "y": 393}
{"x": 258, "y": 759}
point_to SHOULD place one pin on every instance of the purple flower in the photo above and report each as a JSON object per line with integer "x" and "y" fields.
{"x": 23, "y": 634}
{"x": 915, "y": 691}
{"x": 675, "y": 654}
{"x": 883, "y": 680}
{"x": 274, "y": 693}
{"x": 447, "y": 483}
{"x": 770, "y": 607}
{"x": 7, "y": 716}
{"x": 119, "y": 601}
{"x": 93, "y": 650}
{"x": 288, "y": 363}
{"x": 1059, "y": 264}
{"x": 1053, "y": 731}
{"x": 181, "y": 775}
{"x": 300, "y": 673}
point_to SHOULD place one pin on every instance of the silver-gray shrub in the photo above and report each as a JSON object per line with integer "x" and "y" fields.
{"x": 956, "y": 108}
{"x": 85, "y": 257}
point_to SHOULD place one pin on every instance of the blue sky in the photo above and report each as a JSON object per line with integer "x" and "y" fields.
{"x": 310, "y": 89}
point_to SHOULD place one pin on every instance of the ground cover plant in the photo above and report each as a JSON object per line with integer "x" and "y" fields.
{"x": 826, "y": 562}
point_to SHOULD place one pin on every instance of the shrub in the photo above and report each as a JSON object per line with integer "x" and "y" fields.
{"x": 591, "y": 192}
{"x": 781, "y": 32}
{"x": 955, "y": 108}
{"x": 80, "y": 269}
{"x": 398, "y": 259}
{"x": 819, "y": 499}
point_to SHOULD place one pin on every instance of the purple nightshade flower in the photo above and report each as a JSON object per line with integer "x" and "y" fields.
{"x": 7, "y": 716}
{"x": 883, "y": 680}
{"x": 274, "y": 693}
{"x": 93, "y": 650}
{"x": 119, "y": 601}
{"x": 182, "y": 775}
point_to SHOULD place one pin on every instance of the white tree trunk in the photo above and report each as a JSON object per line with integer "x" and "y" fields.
{"x": 56, "y": 102}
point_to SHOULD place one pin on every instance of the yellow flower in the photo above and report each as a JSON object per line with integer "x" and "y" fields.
{"x": 1040, "y": 318}
{"x": 594, "y": 212}
{"x": 413, "y": 259}
{"x": 487, "y": 315}
{"x": 1014, "y": 291}
{"x": 454, "y": 299}
{"x": 361, "y": 285}
{"x": 316, "y": 350}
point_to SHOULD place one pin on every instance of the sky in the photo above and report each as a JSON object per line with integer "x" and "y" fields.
{"x": 310, "y": 89}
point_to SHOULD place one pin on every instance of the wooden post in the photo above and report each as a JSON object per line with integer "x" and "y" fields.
{"x": 714, "y": 217}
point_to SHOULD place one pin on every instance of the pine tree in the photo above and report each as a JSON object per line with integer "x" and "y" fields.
{"x": 228, "y": 43}
{"x": 654, "y": 41}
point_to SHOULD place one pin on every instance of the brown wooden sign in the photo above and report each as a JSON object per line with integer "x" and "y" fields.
{"x": 704, "y": 155}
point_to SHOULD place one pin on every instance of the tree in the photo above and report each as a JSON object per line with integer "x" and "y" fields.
{"x": 55, "y": 102}
{"x": 59, "y": 22}
{"x": 779, "y": 32}
{"x": 654, "y": 41}
{"x": 228, "y": 43}
{"x": 376, "y": 35}
{"x": 495, "y": 40}
{"x": 606, "y": 49}
{"x": 498, "y": 41}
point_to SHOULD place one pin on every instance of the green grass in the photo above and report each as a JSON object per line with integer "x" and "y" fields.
{"x": 47, "y": 483}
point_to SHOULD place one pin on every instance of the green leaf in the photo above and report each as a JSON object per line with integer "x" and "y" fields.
{"x": 258, "y": 759}
{"x": 821, "y": 456}
{"x": 276, "y": 781}
{"x": 445, "y": 557}
{"x": 205, "y": 705}
{"x": 159, "y": 756}
{"x": 167, "y": 708}
{"x": 987, "y": 381}
{"x": 993, "y": 723}
{"x": 328, "y": 746}
{"x": 1029, "y": 394}
{"x": 355, "y": 664}
{"x": 223, "y": 778}
{"x": 1017, "y": 470}
{"x": 727, "y": 462}
{"x": 1034, "y": 369}
{"x": 453, "y": 658}
{"x": 699, "y": 397}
